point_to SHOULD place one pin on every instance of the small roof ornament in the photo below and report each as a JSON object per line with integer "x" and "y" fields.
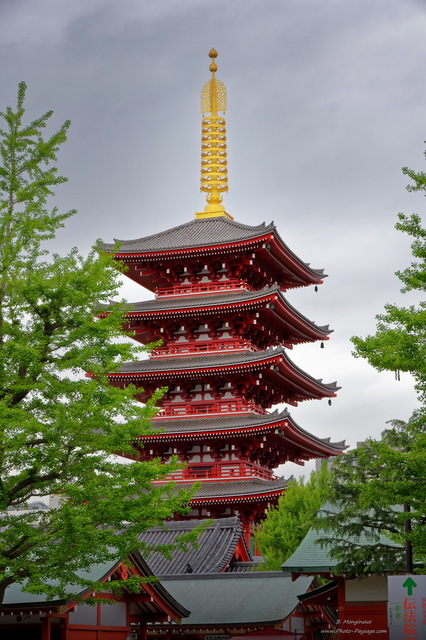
{"x": 214, "y": 165}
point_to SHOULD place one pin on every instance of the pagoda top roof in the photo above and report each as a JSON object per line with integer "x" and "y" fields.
{"x": 241, "y": 423}
{"x": 165, "y": 304}
{"x": 215, "y": 546}
{"x": 203, "y": 234}
{"x": 196, "y": 233}
{"x": 253, "y": 489}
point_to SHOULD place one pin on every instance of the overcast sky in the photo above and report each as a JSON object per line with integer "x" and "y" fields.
{"x": 326, "y": 104}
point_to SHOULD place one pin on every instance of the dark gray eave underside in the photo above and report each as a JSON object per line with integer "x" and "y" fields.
{"x": 200, "y": 233}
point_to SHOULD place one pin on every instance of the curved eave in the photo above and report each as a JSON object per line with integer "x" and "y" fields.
{"x": 191, "y": 235}
{"x": 204, "y": 238}
{"x": 284, "y": 255}
{"x": 270, "y": 302}
{"x": 284, "y": 429}
{"x": 274, "y": 363}
{"x": 259, "y": 494}
{"x": 202, "y": 251}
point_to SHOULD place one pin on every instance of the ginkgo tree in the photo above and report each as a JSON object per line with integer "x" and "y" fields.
{"x": 58, "y": 427}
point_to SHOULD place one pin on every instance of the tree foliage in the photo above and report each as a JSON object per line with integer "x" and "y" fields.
{"x": 399, "y": 343}
{"x": 286, "y": 525}
{"x": 371, "y": 486}
{"x": 59, "y": 428}
{"x": 368, "y": 489}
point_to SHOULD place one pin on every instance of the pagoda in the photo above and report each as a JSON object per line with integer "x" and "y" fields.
{"x": 225, "y": 328}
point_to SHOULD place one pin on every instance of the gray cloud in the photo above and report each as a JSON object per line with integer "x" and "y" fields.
{"x": 326, "y": 104}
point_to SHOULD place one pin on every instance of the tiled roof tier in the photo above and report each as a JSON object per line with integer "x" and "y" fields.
{"x": 241, "y": 426}
{"x": 214, "y": 550}
{"x": 274, "y": 364}
{"x": 235, "y": 599}
{"x": 239, "y": 491}
{"x": 220, "y": 236}
{"x": 196, "y": 233}
{"x": 269, "y": 299}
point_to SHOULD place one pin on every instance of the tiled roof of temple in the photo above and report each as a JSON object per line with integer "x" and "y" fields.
{"x": 212, "y": 553}
{"x": 215, "y": 360}
{"x": 241, "y": 297}
{"x": 241, "y": 422}
{"x": 196, "y": 233}
{"x": 200, "y": 233}
{"x": 238, "y": 598}
{"x": 239, "y": 488}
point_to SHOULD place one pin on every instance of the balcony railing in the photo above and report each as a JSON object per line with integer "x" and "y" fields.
{"x": 203, "y": 287}
{"x": 186, "y": 348}
{"x": 223, "y": 471}
{"x": 201, "y": 409}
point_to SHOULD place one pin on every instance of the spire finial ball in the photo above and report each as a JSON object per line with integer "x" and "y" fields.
{"x": 213, "y": 67}
{"x": 213, "y": 53}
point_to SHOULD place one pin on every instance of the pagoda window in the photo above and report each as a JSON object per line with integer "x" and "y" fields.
{"x": 195, "y": 458}
{"x": 196, "y": 449}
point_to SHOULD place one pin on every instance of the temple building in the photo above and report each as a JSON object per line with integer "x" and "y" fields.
{"x": 226, "y": 329}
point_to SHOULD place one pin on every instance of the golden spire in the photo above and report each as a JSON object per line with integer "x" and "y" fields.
{"x": 214, "y": 170}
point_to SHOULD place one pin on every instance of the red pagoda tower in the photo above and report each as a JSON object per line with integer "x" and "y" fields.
{"x": 225, "y": 328}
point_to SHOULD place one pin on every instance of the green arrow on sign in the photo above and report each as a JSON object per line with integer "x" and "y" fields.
{"x": 409, "y": 583}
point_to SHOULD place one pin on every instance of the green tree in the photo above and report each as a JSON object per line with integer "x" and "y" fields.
{"x": 399, "y": 343}
{"x": 287, "y": 524}
{"x": 58, "y": 427}
{"x": 368, "y": 489}
{"x": 379, "y": 488}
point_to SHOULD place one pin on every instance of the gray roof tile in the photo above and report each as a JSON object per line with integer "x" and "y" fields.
{"x": 201, "y": 233}
{"x": 240, "y": 488}
{"x": 196, "y": 233}
{"x": 213, "y": 551}
{"x": 310, "y": 556}
{"x": 193, "y": 426}
{"x": 238, "y": 598}
{"x": 163, "y": 304}
{"x": 217, "y": 361}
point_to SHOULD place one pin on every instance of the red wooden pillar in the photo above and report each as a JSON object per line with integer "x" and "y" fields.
{"x": 143, "y": 631}
{"x": 45, "y": 628}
